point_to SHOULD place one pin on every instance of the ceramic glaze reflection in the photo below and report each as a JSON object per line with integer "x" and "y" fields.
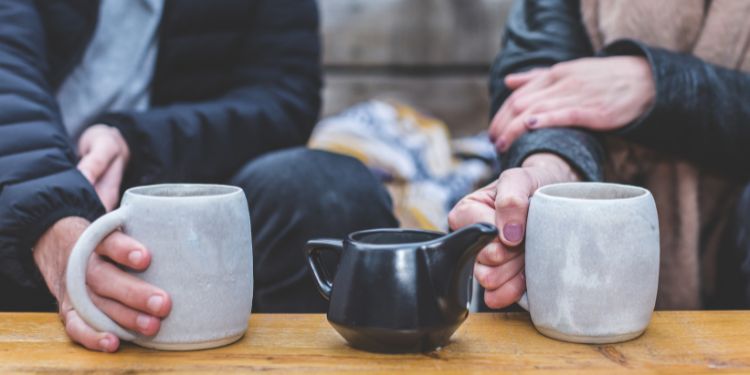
{"x": 200, "y": 241}
{"x": 592, "y": 261}
{"x": 399, "y": 290}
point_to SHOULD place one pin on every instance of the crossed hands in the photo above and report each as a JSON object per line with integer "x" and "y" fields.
{"x": 129, "y": 301}
{"x": 599, "y": 94}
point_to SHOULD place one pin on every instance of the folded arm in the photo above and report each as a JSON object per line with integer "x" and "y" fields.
{"x": 39, "y": 182}
{"x": 273, "y": 103}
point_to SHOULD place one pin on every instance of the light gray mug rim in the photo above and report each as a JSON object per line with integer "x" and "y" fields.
{"x": 639, "y": 192}
{"x": 221, "y": 191}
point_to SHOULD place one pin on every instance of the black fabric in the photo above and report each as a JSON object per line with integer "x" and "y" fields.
{"x": 741, "y": 241}
{"x": 575, "y": 146}
{"x": 296, "y": 195}
{"x": 701, "y": 111}
{"x": 233, "y": 80}
{"x": 541, "y": 33}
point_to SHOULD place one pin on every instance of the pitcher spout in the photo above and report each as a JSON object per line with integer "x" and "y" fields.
{"x": 451, "y": 261}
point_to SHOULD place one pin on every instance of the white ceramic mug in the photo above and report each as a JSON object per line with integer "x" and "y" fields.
{"x": 200, "y": 242}
{"x": 592, "y": 261}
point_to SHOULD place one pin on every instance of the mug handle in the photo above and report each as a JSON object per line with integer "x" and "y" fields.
{"x": 313, "y": 248}
{"x": 76, "y": 273}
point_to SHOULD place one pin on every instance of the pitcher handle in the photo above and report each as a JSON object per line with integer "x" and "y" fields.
{"x": 313, "y": 249}
{"x": 76, "y": 273}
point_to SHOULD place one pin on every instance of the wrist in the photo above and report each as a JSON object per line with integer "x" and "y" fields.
{"x": 52, "y": 249}
{"x": 555, "y": 168}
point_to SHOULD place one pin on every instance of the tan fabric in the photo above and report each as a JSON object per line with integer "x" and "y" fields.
{"x": 693, "y": 204}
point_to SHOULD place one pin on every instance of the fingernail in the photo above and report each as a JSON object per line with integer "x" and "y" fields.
{"x": 135, "y": 257}
{"x": 531, "y": 121}
{"x": 105, "y": 343}
{"x": 513, "y": 232}
{"x": 155, "y": 303}
{"x": 142, "y": 321}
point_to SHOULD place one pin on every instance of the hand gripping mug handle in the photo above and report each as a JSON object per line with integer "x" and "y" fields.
{"x": 76, "y": 273}
{"x": 313, "y": 249}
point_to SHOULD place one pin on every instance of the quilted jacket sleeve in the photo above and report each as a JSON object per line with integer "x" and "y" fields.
{"x": 39, "y": 182}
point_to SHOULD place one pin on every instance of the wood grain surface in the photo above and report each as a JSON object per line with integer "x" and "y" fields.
{"x": 675, "y": 342}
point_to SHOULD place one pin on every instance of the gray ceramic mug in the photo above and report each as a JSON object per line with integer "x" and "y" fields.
{"x": 200, "y": 242}
{"x": 592, "y": 261}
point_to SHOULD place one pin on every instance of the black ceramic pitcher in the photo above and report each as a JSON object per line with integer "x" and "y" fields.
{"x": 399, "y": 290}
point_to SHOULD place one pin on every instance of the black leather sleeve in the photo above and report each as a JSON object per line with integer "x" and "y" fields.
{"x": 543, "y": 33}
{"x": 701, "y": 111}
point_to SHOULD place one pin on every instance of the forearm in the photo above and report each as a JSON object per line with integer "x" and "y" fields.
{"x": 39, "y": 182}
{"x": 53, "y": 248}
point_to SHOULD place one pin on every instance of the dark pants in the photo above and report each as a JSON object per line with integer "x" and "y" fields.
{"x": 733, "y": 263}
{"x": 296, "y": 195}
{"x": 742, "y": 239}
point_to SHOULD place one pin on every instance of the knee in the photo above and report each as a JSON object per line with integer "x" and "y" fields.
{"x": 314, "y": 183}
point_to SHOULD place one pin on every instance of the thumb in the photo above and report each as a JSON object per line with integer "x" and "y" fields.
{"x": 95, "y": 163}
{"x": 514, "y": 188}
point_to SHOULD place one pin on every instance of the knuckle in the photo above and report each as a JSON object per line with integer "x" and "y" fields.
{"x": 516, "y": 106}
{"x": 114, "y": 246}
{"x": 512, "y": 174}
{"x": 516, "y": 288}
{"x": 95, "y": 272}
{"x": 494, "y": 254}
{"x": 484, "y": 279}
{"x": 558, "y": 70}
{"x": 132, "y": 296}
{"x": 512, "y": 201}
{"x": 454, "y": 216}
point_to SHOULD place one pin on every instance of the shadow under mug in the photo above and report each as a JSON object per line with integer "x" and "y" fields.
{"x": 200, "y": 242}
{"x": 592, "y": 261}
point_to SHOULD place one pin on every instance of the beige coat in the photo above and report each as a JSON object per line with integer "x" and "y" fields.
{"x": 694, "y": 204}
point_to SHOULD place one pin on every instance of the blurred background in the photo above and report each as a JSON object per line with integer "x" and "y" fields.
{"x": 431, "y": 54}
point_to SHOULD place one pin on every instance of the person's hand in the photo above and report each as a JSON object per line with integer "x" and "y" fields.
{"x": 104, "y": 156}
{"x": 129, "y": 301}
{"x": 505, "y": 202}
{"x": 600, "y": 94}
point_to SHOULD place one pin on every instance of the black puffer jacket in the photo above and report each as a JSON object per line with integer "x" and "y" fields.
{"x": 701, "y": 111}
{"x": 233, "y": 79}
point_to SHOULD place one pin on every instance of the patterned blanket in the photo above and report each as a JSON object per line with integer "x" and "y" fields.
{"x": 424, "y": 170}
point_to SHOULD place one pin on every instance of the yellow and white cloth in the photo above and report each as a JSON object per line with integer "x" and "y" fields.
{"x": 424, "y": 170}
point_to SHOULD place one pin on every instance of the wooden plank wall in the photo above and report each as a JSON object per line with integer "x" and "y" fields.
{"x": 433, "y": 54}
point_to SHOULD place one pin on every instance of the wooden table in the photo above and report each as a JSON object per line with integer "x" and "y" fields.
{"x": 677, "y": 342}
